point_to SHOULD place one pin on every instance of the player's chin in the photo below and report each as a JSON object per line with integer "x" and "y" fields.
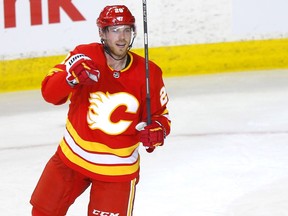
{"x": 121, "y": 51}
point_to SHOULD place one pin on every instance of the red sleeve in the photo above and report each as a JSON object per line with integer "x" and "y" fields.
{"x": 55, "y": 89}
{"x": 159, "y": 99}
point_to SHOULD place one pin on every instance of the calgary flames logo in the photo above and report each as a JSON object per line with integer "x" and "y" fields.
{"x": 102, "y": 107}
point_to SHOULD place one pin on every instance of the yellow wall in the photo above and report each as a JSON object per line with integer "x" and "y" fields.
{"x": 222, "y": 57}
{"x": 24, "y": 74}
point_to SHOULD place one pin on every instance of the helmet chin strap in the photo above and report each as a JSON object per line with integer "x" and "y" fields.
{"x": 108, "y": 50}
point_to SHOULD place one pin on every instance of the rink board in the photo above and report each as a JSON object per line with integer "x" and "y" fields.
{"x": 25, "y": 74}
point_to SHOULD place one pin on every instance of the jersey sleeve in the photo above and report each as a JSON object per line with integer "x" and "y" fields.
{"x": 54, "y": 87}
{"x": 159, "y": 99}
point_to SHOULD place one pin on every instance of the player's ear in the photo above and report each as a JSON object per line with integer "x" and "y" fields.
{"x": 102, "y": 34}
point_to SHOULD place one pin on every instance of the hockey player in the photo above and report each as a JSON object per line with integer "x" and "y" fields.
{"x": 105, "y": 85}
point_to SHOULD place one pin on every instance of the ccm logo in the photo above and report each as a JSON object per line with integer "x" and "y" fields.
{"x": 101, "y": 213}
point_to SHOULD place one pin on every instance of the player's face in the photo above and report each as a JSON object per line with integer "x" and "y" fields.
{"x": 118, "y": 38}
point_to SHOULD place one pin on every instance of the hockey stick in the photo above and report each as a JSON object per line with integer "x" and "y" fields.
{"x": 147, "y": 75}
{"x": 148, "y": 99}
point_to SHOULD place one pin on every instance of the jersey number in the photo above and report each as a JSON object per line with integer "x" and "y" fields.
{"x": 163, "y": 96}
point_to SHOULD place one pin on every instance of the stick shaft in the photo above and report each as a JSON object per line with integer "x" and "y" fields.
{"x": 147, "y": 75}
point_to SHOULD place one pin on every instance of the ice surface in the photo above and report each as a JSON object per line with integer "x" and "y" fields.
{"x": 226, "y": 155}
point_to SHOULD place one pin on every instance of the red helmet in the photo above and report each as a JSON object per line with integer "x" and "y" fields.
{"x": 115, "y": 15}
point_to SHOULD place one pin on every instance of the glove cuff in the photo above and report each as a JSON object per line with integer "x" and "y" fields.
{"x": 163, "y": 129}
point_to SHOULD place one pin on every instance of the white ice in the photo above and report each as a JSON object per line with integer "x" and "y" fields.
{"x": 227, "y": 154}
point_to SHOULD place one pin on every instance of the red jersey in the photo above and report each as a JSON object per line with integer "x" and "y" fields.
{"x": 100, "y": 139}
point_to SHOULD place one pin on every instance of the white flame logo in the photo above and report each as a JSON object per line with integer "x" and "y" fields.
{"x": 102, "y": 107}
